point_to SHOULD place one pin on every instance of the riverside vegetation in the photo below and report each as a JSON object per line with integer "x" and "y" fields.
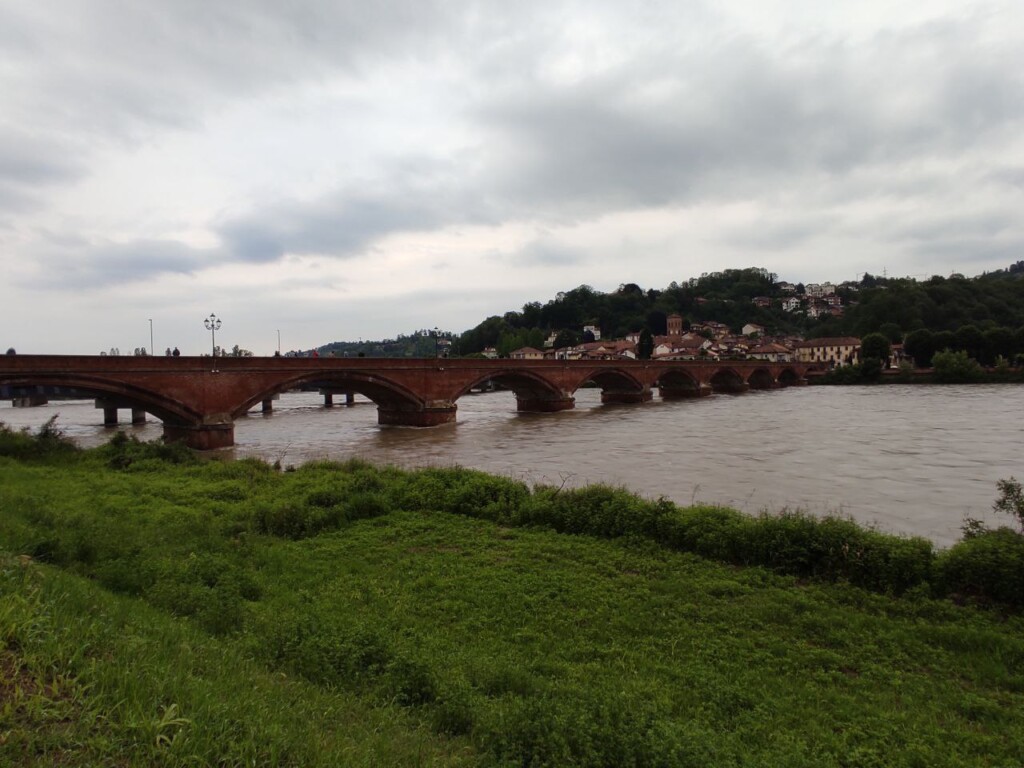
{"x": 156, "y": 609}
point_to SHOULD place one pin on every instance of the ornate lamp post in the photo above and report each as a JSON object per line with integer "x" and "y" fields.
{"x": 212, "y": 324}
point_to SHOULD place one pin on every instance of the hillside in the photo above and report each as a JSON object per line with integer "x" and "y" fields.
{"x": 893, "y": 306}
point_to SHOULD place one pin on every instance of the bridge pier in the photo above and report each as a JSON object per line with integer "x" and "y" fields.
{"x": 138, "y": 416}
{"x": 29, "y": 401}
{"x": 350, "y": 397}
{"x": 540, "y": 404}
{"x": 425, "y": 417}
{"x": 731, "y": 387}
{"x": 684, "y": 393}
{"x": 202, "y": 437}
{"x": 623, "y": 396}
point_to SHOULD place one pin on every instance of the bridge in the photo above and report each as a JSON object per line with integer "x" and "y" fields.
{"x": 198, "y": 399}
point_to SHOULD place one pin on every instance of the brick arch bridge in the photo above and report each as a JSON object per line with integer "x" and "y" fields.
{"x": 198, "y": 399}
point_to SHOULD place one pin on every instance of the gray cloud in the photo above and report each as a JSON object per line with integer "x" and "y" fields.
{"x": 528, "y": 116}
{"x": 78, "y": 265}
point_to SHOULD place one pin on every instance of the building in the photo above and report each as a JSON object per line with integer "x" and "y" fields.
{"x": 751, "y": 328}
{"x": 526, "y": 353}
{"x": 834, "y": 352}
{"x": 675, "y": 325}
{"x": 791, "y": 304}
{"x": 773, "y": 353}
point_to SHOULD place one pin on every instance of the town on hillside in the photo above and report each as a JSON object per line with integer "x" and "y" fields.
{"x": 712, "y": 341}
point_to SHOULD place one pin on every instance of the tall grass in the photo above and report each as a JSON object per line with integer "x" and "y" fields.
{"x": 448, "y": 616}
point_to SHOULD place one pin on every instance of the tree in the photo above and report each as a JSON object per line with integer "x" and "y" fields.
{"x": 971, "y": 340}
{"x": 998, "y": 343}
{"x": 588, "y": 336}
{"x": 645, "y": 345}
{"x": 945, "y": 341}
{"x": 565, "y": 339}
{"x": 657, "y": 322}
{"x": 955, "y": 367}
{"x": 920, "y": 345}
{"x": 1011, "y": 500}
{"x": 875, "y": 346}
{"x": 891, "y": 331}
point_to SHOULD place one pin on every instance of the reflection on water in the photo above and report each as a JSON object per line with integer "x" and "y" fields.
{"x": 910, "y": 459}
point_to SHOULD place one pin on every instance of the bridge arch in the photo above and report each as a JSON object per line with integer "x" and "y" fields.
{"x": 727, "y": 380}
{"x": 789, "y": 377}
{"x": 761, "y": 378}
{"x": 534, "y": 392}
{"x": 387, "y": 395}
{"x": 617, "y": 385}
{"x": 167, "y": 409}
{"x": 677, "y": 384}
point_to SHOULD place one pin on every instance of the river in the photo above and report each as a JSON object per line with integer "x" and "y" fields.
{"x": 907, "y": 459}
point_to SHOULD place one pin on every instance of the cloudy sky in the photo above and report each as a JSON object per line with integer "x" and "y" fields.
{"x": 335, "y": 170}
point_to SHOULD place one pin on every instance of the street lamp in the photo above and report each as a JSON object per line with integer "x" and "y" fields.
{"x": 212, "y": 324}
{"x": 152, "y": 350}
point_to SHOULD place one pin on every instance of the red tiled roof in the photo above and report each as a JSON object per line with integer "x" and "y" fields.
{"x": 836, "y": 341}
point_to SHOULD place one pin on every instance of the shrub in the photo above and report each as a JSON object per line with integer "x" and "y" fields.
{"x": 47, "y": 442}
{"x": 296, "y": 519}
{"x": 988, "y": 566}
{"x": 955, "y": 368}
{"x": 123, "y": 451}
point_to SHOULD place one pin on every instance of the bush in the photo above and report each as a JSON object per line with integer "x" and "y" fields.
{"x": 48, "y": 441}
{"x": 123, "y": 451}
{"x": 296, "y": 519}
{"x": 955, "y": 368}
{"x": 988, "y": 567}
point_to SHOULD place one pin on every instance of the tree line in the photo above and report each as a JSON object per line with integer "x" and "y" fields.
{"x": 983, "y": 316}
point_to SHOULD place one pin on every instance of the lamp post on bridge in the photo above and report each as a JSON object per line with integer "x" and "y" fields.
{"x": 152, "y": 349}
{"x": 212, "y": 324}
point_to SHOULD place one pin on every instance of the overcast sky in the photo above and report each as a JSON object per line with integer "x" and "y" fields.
{"x": 336, "y": 170}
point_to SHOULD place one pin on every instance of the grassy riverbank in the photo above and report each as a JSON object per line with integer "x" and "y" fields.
{"x": 168, "y": 611}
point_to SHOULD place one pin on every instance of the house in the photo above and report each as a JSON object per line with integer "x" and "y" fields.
{"x": 833, "y": 351}
{"x": 686, "y": 347}
{"x": 761, "y": 301}
{"x": 773, "y": 353}
{"x": 787, "y": 287}
{"x": 718, "y": 330}
{"x": 490, "y": 353}
{"x": 605, "y": 350}
{"x": 816, "y": 309}
{"x": 751, "y": 328}
{"x": 834, "y": 301}
{"x": 526, "y": 353}
{"x": 791, "y": 304}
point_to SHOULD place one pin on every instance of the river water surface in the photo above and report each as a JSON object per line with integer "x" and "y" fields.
{"x": 909, "y": 459}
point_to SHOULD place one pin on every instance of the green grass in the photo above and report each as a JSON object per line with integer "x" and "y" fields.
{"x": 179, "y": 613}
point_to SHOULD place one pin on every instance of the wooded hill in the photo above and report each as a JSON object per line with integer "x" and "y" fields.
{"x": 893, "y": 306}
